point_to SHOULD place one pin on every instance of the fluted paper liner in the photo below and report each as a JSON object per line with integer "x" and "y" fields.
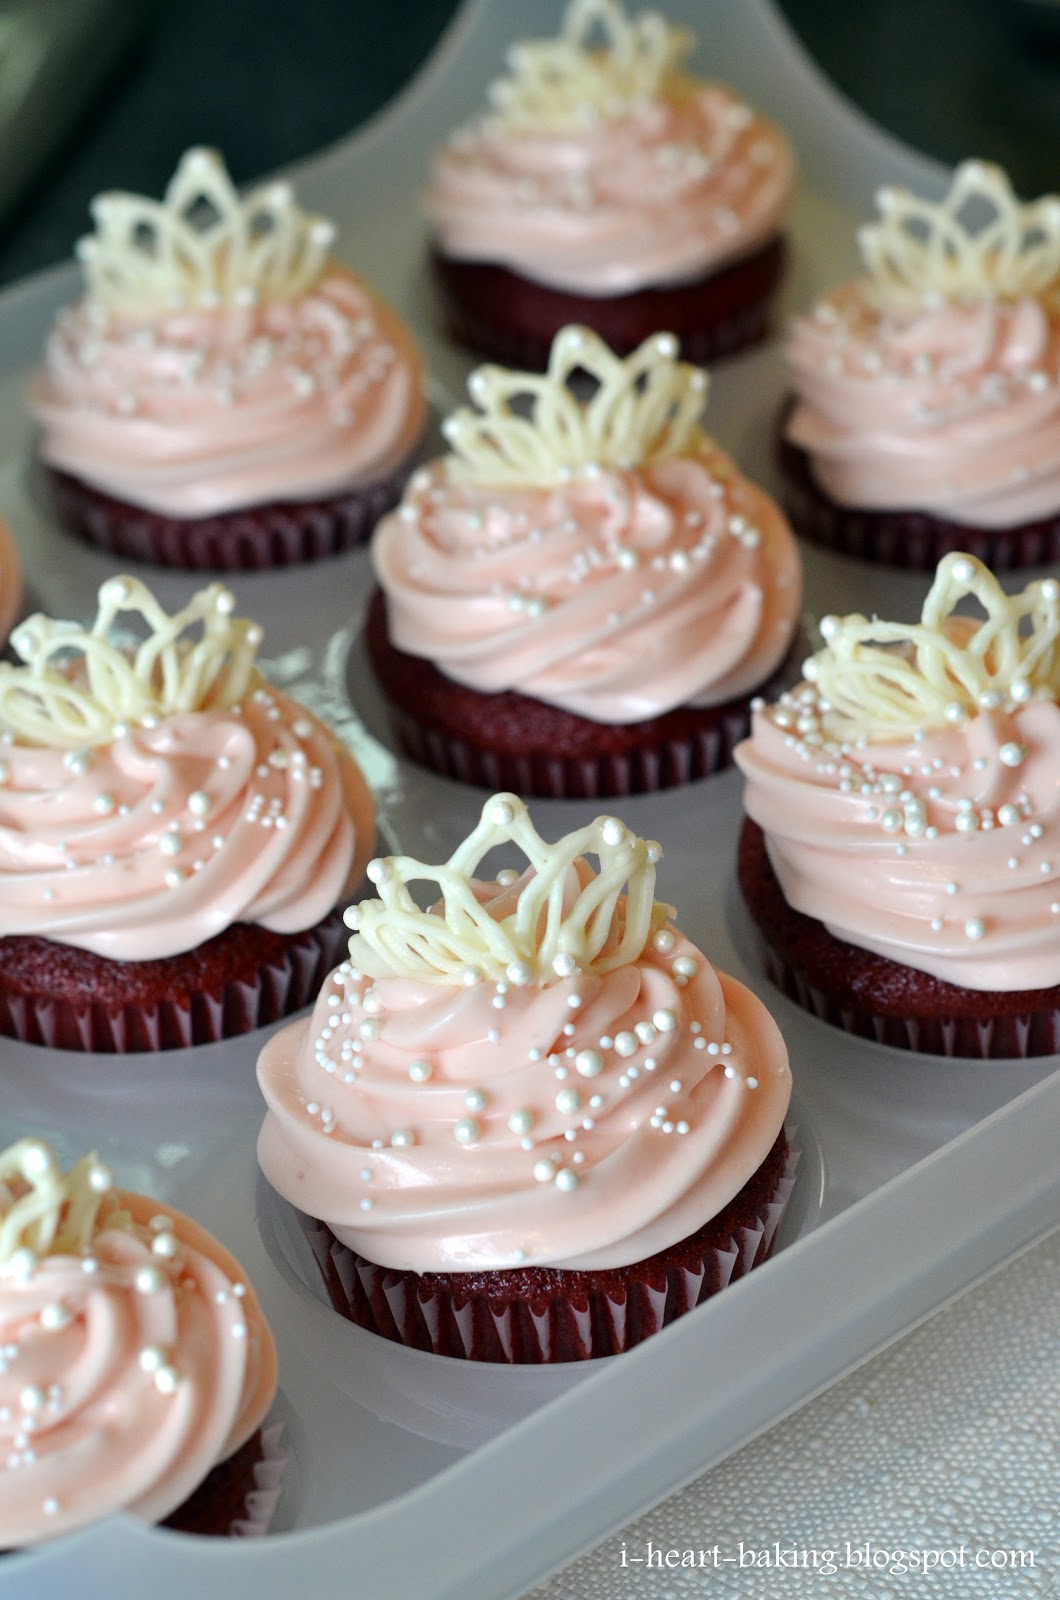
{"x": 392, "y": 1303}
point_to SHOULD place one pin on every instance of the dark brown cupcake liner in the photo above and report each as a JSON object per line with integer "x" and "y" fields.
{"x": 247, "y": 540}
{"x": 288, "y": 979}
{"x": 544, "y": 1315}
{"x": 916, "y": 540}
{"x": 510, "y": 741}
{"x": 501, "y": 314}
{"x": 873, "y": 997}
{"x": 238, "y": 1498}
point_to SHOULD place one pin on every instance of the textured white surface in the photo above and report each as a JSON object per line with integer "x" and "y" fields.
{"x": 948, "y": 1438}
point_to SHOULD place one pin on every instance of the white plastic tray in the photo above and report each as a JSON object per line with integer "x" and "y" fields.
{"x": 409, "y": 1474}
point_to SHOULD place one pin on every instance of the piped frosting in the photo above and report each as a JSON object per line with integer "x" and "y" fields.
{"x": 578, "y": 1087}
{"x": 154, "y": 792}
{"x": 134, "y": 1356}
{"x": 602, "y": 167}
{"x": 933, "y": 382}
{"x": 909, "y": 788}
{"x": 220, "y": 360}
{"x": 594, "y": 550}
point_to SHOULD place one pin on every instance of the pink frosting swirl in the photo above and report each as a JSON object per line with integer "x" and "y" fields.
{"x": 952, "y": 408}
{"x": 10, "y": 580}
{"x": 617, "y": 595}
{"x": 151, "y": 845}
{"x": 205, "y": 411}
{"x": 970, "y": 892}
{"x": 586, "y": 1123}
{"x": 126, "y": 1375}
{"x": 659, "y": 195}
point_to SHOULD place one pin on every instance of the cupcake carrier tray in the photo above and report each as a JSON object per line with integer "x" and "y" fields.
{"x": 409, "y": 1473}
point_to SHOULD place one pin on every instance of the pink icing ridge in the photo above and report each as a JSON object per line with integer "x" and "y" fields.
{"x": 207, "y": 411}
{"x": 437, "y": 1204}
{"x": 953, "y": 409}
{"x": 106, "y": 1438}
{"x": 705, "y": 614}
{"x": 10, "y": 580}
{"x": 287, "y": 830}
{"x": 657, "y": 196}
{"x": 884, "y": 891}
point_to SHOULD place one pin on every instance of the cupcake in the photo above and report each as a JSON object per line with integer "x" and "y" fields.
{"x": 535, "y": 1124}
{"x": 223, "y": 396}
{"x": 10, "y": 581}
{"x": 902, "y": 858}
{"x": 926, "y": 417}
{"x": 606, "y": 186}
{"x": 174, "y": 834}
{"x": 137, "y": 1366}
{"x": 581, "y": 597}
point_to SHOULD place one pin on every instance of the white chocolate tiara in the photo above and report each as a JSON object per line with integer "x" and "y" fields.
{"x": 944, "y": 668}
{"x": 646, "y": 408}
{"x": 202, "y": 245}
{"x": 566, "y": 918}
{"x": 79, "y": 687}
{"x": 979, "y": 242}
{"x": 569, "y": 82}
{"x": 45, "y": 1211}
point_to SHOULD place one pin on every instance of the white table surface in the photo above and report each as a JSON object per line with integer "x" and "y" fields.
{"x": 949, "y": 1439}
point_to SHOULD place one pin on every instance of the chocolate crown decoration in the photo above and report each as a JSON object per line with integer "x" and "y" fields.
{"x": 534, "y": 429}
{"x": 47, "y": 1212}
{"x": 887, "y": 680}
{"x": 571, "y": 82}
{"x": 563, "y": 918}
{"x": 979, "y": 242}
{"x": 79, "y": 687}
{"x": 202, "y": 245}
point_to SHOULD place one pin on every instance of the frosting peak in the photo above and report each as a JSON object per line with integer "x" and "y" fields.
{"x": 568, "y": 82}
{"x": 645, "y": 409}
{"x": 49, "y": 702}
{"x": 977, "y": 243}
{"x": 945, "y": 667}
{"x": 201, "y": 245}
{"x": 550, "y": 924}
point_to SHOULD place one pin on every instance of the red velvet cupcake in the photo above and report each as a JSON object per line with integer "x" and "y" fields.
{"x": 902, "y": 864}
{"x": 926, "y": 418}
{"x": 582, "y": 597}
{"x": 608, "y": 187}
{"x": 224, "y": 396}
{"x": 97, "y": 1281}
{"x": 174, "y": 835}
{"x": 588, "y": 1145}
